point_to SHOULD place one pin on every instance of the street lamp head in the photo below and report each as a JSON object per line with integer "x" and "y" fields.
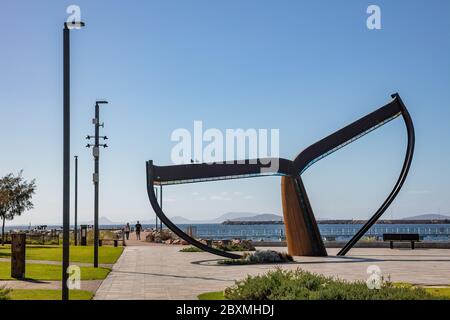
{"x": 101, "y": 102}
{"x": 74, "y": 25}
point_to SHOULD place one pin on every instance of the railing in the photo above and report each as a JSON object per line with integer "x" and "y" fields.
{"x": 42, "y": 239}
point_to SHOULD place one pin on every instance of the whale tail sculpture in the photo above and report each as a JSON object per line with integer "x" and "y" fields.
{"x": 302, "y": 233}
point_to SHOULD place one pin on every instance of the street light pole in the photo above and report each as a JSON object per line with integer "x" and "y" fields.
{"x": 76, "y": 202}
{"x": 96, "y": 154}
{"x": 161, "y": 205}
{"x": 66, "y": 154}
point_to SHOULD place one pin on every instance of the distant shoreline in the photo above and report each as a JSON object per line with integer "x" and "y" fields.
{"x": 444, "y": 221}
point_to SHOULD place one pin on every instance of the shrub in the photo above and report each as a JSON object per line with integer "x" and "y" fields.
{"x": 240, "y": 246}
{"x": 191, "y": 249}
{"x": 4, "y": 293}
{"x": 265, "y": 256}
{"x": 302, "y": 285}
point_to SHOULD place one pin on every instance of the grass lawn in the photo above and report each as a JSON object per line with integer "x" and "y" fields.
{"x": 77, "y": 253}
{"x": 24, "y": 294}
{"x": 51, "y": 272}
{"x": 441, "y": 292}
{"x": 215, "y": 295}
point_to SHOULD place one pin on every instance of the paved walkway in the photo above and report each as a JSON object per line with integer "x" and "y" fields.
{"x": 162, "y": 272}
{"x": 132, "y": 241}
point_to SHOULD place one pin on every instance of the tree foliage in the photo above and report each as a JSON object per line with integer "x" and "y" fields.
{"x": 15, "y": 197}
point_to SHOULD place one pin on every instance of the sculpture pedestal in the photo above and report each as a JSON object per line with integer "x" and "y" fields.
{"x": 302, "y": 233}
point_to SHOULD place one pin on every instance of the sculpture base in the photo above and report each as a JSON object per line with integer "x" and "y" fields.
{"x": 302, "y": 233}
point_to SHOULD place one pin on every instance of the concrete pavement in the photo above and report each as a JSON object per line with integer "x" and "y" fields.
{"x": 162, "y": 272}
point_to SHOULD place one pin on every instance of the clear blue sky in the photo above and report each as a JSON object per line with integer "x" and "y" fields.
{"x": 305, "y": 67}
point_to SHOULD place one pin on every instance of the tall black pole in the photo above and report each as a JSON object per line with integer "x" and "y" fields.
{"x": 96, "y": 178}
{"x": 161, "y": 205}
{"x": 75, "y": 234}
{"x": 66, "y": 160}
{"x": 66, "y": 154}
{"x": 96, "y": 154}
{"x": 156, "y": 221}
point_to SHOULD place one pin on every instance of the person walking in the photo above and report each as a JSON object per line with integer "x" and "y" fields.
{"x": 138, "y": 228}
{"x": 127, "y": 230}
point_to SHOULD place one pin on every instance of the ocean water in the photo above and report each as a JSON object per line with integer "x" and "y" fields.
{"x": 275, "y": 232}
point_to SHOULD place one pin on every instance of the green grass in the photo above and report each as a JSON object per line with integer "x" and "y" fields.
{"x": 439, "y": 292}
{"x": 51, "y": 272}
{"x": 215, "y": 295}
{"x": 26, "y": 294}
{"x": 108, "y": 255}
{"x": 4, "y": 293}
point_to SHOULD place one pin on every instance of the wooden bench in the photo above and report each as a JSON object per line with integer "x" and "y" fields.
{"x": 116, "y": 241}
{"x": 401, "y": 237}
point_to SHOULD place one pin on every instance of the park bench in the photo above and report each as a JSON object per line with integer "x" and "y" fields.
{"x": 401, "y": 237}
{"x": 116, "y": 241}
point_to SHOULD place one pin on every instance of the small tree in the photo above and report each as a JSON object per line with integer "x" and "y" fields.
{"x": 15, "y": 197}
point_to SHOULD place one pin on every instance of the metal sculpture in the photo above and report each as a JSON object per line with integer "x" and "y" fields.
{"x": 302, "y": 232}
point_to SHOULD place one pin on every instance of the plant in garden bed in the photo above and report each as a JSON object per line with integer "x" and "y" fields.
{"x": 241, "y": 246}
{"x": 4, "y": 293}
{"x": 302, "y": 285}
{"x": 237, "y": 245}
{"x": 258, "y": 257}
{"x": 191, "y": 249}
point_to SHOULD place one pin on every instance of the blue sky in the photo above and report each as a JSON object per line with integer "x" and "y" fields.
{"x": 304, "y": 67}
